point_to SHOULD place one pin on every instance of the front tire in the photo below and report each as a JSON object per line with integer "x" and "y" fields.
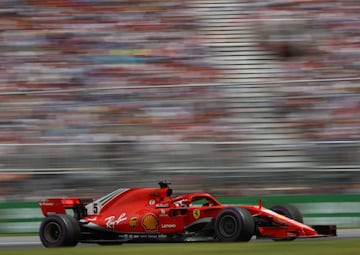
{"x": 234, "y": 224}
{"x": 291, "y": 212}
{"x": 59, "y": 230}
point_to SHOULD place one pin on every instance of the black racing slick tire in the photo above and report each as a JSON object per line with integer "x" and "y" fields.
{"x": 234, "y": 224}
{"x": 59, "y": 230}
{"x": 289, "y": 211}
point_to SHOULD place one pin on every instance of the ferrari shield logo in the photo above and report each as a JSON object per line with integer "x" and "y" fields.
{"x": 196, "y": 213}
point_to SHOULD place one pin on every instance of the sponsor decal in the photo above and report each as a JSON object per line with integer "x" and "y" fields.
{"x": 133, "y": 222}
{"x": 111, "y": 221}
{"x": 168, "y": 225}
{"x": 162, "y": 205}
{"x": 163, "y": 213}
{"x": 150, "y": 222}
{"x": 196, "y": 213}
{"x": 151, "y": 202}
{"x": 46, "y": 203}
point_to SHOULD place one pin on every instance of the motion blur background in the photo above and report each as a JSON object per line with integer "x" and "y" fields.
{"x": 230, "y": 97}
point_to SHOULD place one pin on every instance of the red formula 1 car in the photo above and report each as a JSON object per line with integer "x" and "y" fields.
{"x": 153, "y": 215}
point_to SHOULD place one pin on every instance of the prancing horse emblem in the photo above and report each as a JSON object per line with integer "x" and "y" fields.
{"x": 196, "y": 213}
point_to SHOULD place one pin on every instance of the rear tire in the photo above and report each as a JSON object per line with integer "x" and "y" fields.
{"x": 234, "y": 224}
{"x": 59, "y": 230}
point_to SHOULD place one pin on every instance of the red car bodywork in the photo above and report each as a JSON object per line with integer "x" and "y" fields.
{"x": 127, "y": 214}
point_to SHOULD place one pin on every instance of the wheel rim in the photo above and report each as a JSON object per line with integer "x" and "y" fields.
{"x": 52, "y": 232}
{"x": 228, "y": 226}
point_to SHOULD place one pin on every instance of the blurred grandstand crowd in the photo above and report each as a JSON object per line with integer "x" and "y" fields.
{"x": 99, "y": 93}
{"x": 318, "y": 40}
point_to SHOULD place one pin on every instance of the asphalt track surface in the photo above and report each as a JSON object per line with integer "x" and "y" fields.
{"x": 34, "y": 241}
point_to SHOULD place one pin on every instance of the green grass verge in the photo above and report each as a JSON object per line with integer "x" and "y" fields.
{"x": 308, "y": 247}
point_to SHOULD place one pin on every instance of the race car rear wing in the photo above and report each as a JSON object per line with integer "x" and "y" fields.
{"x": 73, "y": 206}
